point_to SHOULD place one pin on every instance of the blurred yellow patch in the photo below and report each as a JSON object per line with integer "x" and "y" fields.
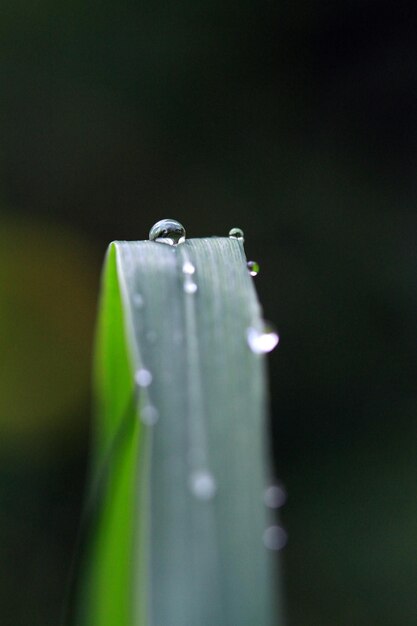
{"x": 48, "y": 286}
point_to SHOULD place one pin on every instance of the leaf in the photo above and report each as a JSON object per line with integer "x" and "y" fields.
{"x": 179, "y": 514}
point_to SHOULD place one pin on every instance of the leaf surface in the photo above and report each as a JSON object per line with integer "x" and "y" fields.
{"x": 178, "y": 535}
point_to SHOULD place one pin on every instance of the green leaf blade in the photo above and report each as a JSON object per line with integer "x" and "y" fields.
{"x": 197, "y": 555}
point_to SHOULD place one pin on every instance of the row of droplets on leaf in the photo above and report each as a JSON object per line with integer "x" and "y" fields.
{"x": 202, "y": 483}
{"x": 172, "y": 233}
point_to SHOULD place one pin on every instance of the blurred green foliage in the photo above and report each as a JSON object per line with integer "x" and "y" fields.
{"x": 47, "y": 299}
{"x": 296, "y": 121}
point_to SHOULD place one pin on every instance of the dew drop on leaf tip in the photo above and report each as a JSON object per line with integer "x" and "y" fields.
{"x": 167, "y": 231}
{"x": 236, "y": 233}
{"x": 264, "y": 340}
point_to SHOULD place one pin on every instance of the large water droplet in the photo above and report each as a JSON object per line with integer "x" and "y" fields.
{"x": 143, "y": 377}
{"x": 275, "y": 496}
{"x": 236, "y": 233}
{"x": 149, "y": 415}
{"x": 275, "y": 538}
{"x": 202, "y": 485}
{"x": 167, "y": 231}
{"x": 253, "y": 268}
{"x": 264, "y": 340}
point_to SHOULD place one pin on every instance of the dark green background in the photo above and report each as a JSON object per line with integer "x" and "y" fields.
{"x": 296, "y": 121}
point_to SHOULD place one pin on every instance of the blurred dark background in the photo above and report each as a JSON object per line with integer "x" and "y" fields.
{"x": 296, "y": 121}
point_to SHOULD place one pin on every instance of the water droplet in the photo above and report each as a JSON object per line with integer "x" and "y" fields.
{"x": 167, "y": 231}
{"x": 143, "y": 378}
{"x": 138, "y": 300}
{"x": 202, "y": 485}
{"x": 275, "y": 538}
{"x": 188, "y": 268}
{"x": 149, "y": 415}
{"x": 253, "y": 268}
{"x": 190, "y": 287}
{"x": 262, "y": 341}
{"x": 236, "y": 233}
{"x": 275, "y": 496}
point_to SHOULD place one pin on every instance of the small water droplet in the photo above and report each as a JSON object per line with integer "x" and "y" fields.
{"x": 190, "y": 287}
{"x": 236, "y": 233}
{"x": 202, "y": 485}
{"x": 167, "y": 231}
{"x": 275, "y": 538}
{"x": 143, "y": 377}
{"x": 262, "y": 341}
{"x": 253, "y": 268}
{"x": 149, "y": 415}
{"x": 275, "y": 496}
{"x": 138, "y": 300}
{"x": 188, "y": 268}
